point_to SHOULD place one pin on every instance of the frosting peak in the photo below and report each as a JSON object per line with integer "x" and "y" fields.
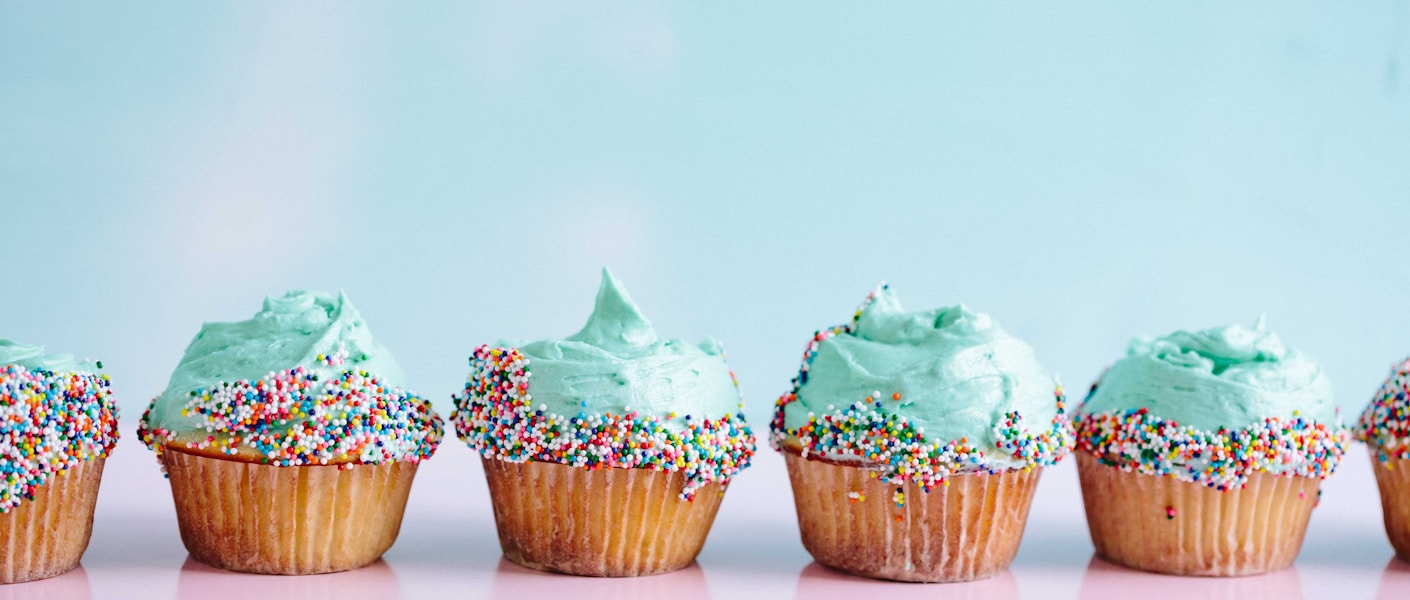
{"x": 618, "y": 364}
{"x": 616, "y": 322}
{"x": 1216, "y": 351}
{"x": 885, "y": 320}
{"x": 305, "y": 310}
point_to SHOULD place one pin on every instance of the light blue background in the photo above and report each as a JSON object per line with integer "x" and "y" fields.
{"x": 1083, "y": 172}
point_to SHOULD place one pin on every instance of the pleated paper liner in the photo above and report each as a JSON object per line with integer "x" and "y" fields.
{"x": 1393, "y": 480}
{"x": 256, "y": 518}
{"x": 46, "y": 536}
{"x": 1162, "y": 524}
{"x": 851, "y": 521}
{"x": 604, "y": 522}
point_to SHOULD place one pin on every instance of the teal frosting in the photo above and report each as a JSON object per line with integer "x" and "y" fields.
{"x": 33, "y": 357}
{"x": 291, "y": 331}
{"x": 1227, "y": 377}
{"x": 618, "y": 364}
{"x": 957, "y": 372}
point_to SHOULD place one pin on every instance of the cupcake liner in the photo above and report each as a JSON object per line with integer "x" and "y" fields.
{"x": 46, "y": 536}
{"x": 1162, "y": 524}
{"x": 851, "y": 521}
{"x": 1393, "y": 480}
{"x": 256, "y": 518}
{"x": 604, "y": 522}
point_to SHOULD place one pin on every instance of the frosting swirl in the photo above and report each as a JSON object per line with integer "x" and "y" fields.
{"x": 923, "y": 395}
{"x": 302, "y": 382}
{"x": 1227, "y": 377}
{"x": 614, "y": 394}
{"x": 1213, "y": 407}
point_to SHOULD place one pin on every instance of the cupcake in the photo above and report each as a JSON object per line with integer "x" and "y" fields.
{"x": 1203, "y": 453}
{"x": 607, "y": 452}
{"x": 59, "y": 424}
{"x": 914, "y": 442}
{"x": 288, "y": 440}
{"x": 1385, "y": 428}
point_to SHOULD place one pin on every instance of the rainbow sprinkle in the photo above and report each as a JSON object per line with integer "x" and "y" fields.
{"x": 1385, "y": 424}
{"x": 894, "y": 446}
{"x": 291, "y": 418}
{"x": 1137, "y": 441}
{"x": 496, "y": 416}
{"x": 50, "y": 422}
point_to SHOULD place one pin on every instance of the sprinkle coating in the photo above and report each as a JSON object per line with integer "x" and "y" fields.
{"x": 1136, "y": 441}
{"x": 49, "y": 422}
{"x": 1385, "y": 424}
{"x": 350, "y": 419}
{"x": 496, "y": 416}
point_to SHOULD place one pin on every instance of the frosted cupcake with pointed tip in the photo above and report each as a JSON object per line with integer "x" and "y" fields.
{"x": 607, "y": 452}
{"x": 1202, "y": 453}
{"x": 914, "y": 442}
{"x": 60, "y": 423}
{"x": 289, "y": 440}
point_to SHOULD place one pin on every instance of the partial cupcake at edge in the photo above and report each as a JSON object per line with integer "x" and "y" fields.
{"x": 1203, "y": 453}
{"x": 915, "y": 440}
{"x": 289, "y": 440}
{"x": 607, "y": 453}
{"x": 58, "y": 422}
{"x": 1385, "y": 428}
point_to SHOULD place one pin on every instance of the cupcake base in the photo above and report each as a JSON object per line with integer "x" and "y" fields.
{"x": 46, "y": 536}
{"x": 602, "y": 522}
{"x": 1393, "y": 481}
{"x": 852, "y": 521}
{"x": 1162, "y": 524}
{"x": 256, "y": 518}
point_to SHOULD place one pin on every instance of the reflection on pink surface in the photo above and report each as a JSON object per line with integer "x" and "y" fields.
{"x": 1395, "y": 581}
{"x": 376, "y": 581}
{"x": 514, "y": 581}
{"x": 1106, "y": 580}
{"x": 817, "y": 581}
{"x": 72, "y": 585}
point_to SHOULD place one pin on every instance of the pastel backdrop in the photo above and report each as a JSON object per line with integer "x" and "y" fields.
{"x": 1083, "y": 172}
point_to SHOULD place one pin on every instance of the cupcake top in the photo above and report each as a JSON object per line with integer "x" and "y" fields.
{"x": 301, "y": 383}
{"x": 55, "y": 412}
{"x": 615, "y": 394}
{"x": 1385, "y": 424}
{"x": 922, "y": 396}
{"x": 1213, "y": 407}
